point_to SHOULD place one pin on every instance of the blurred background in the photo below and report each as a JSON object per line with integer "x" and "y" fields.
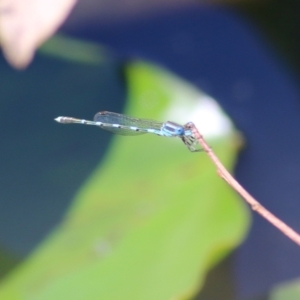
{"x": 243, "y": 54}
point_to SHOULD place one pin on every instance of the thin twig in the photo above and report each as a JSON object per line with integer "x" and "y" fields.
{"x": 255, "y": 205}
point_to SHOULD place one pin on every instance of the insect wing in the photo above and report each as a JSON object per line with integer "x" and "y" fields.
{"x": 125, "y": 125}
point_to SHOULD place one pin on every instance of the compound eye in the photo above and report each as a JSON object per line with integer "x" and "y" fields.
{"x": 180, "y": 131}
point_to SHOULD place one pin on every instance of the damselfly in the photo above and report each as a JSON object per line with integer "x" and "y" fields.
{"x": 125, "y": 125}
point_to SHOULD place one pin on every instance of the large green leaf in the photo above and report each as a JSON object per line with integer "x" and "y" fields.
{"x": 286, "y": 291}
{"x": 150, "y": 221}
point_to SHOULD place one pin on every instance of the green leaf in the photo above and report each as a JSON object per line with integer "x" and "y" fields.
{"x": 288, "y": 290}
{"x": 151, "y": 220}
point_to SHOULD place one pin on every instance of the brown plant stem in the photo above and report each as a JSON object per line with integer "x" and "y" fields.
{"x": 255, "y": 205}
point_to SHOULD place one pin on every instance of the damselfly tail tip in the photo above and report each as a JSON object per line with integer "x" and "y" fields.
{"x": 58, "y": 119}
